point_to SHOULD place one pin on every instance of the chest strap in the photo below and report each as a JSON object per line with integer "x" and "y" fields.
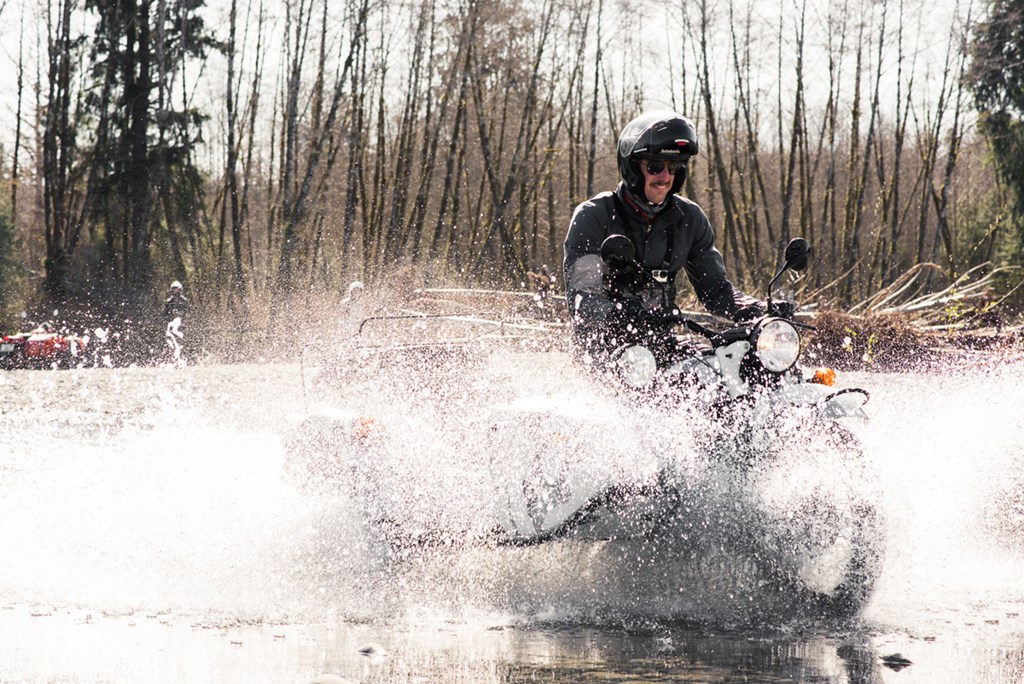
{"x": 639, "y": 239}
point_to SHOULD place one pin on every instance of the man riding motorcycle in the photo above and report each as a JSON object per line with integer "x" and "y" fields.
{"x": 669, "y": 234}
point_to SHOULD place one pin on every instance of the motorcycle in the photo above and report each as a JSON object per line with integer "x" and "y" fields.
{"x": 747, "y": 457}
{"x": 780, "y": 480}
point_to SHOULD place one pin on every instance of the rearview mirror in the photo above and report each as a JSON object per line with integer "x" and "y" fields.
{"x": 797, "y": 252}
{"x": 617, "y": 249}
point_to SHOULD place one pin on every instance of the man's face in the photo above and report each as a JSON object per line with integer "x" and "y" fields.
{"x": 657, "y": 185}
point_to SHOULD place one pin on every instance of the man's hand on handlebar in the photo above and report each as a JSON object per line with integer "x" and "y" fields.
{"x": 749, "y": 312}
{"x": 783, "y": 309}
{"x": 628, "y": 312}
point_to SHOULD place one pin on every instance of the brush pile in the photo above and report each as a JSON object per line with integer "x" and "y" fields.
{"x": 904, "y": 326}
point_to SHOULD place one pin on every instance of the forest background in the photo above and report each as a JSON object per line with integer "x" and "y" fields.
{"x": 266, "y": 154}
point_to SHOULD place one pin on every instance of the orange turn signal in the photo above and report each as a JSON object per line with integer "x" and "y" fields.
{"x": 824, "y": 376}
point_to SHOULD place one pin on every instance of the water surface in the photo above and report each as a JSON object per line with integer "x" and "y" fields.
{"x": 149, "y": 534}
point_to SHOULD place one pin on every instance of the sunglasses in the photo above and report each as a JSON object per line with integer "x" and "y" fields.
{"x": 655, "y": 166}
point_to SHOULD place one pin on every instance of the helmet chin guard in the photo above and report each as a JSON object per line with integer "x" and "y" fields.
{"x": 663, "y": 135}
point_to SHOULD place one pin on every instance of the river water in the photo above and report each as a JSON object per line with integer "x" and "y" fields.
{"x": 150, "y": 534}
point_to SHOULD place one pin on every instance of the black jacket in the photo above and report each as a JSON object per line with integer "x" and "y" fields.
{"x": 677, "y": 238}
{"x": 176, "y": 306}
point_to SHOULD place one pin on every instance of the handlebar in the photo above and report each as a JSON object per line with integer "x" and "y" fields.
{"x": 720, "y": 337}
{"x": 716, "y": 337}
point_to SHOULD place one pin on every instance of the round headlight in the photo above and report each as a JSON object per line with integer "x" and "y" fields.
{"x": 778, "y": 345}
{"x": 637, "y": 366}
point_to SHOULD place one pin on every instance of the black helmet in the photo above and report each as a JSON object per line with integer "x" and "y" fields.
{"x": 661, "y": 135}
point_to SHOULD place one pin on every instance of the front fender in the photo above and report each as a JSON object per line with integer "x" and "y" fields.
{"x": 831, "y": 403}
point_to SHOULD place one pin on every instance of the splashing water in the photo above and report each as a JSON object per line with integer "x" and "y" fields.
{"x": 951, "y": 452}
{"x": 155, "y": 490}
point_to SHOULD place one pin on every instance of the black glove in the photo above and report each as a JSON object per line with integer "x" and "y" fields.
{"x": 628, "y": 312}
{"x": 622, "y": 281}
{"x": 783, "y": 309}
{"x": 749, "y": 312}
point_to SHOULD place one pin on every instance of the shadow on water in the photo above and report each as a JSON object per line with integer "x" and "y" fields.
{"x": 683, "y": 653}
{"x": 150, "y": 507}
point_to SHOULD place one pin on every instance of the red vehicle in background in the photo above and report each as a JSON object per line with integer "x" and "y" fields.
{"x": 42, "y": 347}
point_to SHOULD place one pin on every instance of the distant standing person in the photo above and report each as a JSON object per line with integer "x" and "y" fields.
{"x": 176, "y": 305}
{"x": 176, "y": 308}
{"x": 351, "y": 309}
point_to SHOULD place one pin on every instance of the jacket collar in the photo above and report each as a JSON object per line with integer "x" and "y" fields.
{"x": 634, "y": 203}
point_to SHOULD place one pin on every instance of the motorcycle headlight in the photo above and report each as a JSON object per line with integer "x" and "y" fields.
{"x": 636, "y": 366}
{"x": 778, "y": 345}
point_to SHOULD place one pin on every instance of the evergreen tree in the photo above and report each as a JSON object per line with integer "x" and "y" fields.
{"x": 997, "y": 80}
{"x": 10, "y": 265}
{"x": 136, "y": 172}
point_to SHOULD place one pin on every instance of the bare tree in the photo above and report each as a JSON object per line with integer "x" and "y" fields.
{"x": 62, "y": 228}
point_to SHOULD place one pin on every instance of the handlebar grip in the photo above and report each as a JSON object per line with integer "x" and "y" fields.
{"x": 691, "y": 325}
{"x": 696, "y": 327}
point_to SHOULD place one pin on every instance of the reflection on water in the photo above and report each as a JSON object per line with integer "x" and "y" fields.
{"x": 149, "y": 535}
{"x": 76, "y": 646}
